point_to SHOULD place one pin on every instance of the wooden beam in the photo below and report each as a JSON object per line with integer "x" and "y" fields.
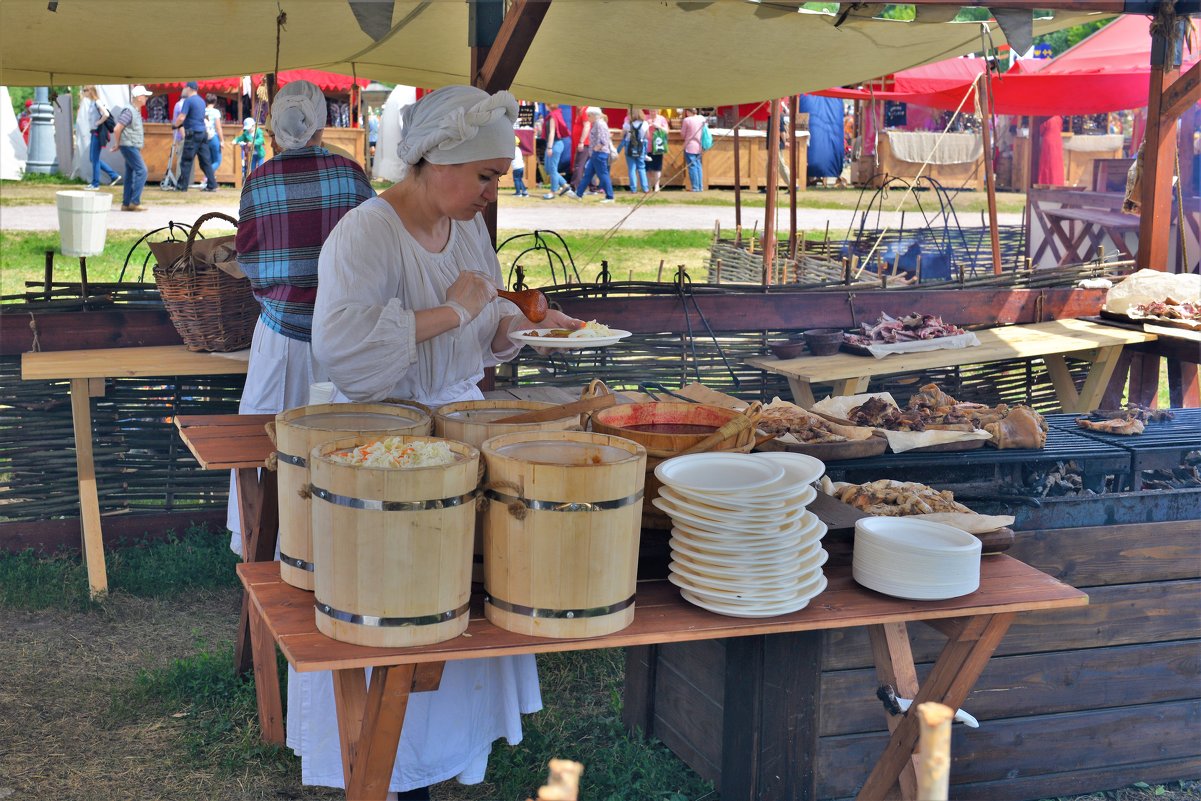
{"x": 1184, "y": 93}
{"x": 1155, "y": 215}
{"x": 512, "y": 42}
{"x": 773, "y": 185}
{"x": 984, "y": 103}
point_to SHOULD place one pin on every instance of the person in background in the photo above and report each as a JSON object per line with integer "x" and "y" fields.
{"x": 636, "y": 144}
{"x": 579, "y": 137}
{"x": 658, "y": 149}
{"x": 408, "y": 309}
{"x": 372, "y": 134}
{"x": 195, "y": 140}
{"x": 287, "y": 210}
{"x": 518, "y": 169}
{"x": 690, "y": 129}
{"x": 212, "y": 129}
{"x": 128, "y": 137}
{"x": 25, "y": 120}
{"x": 600, "y": 148}
{"x": 97, "y": 114}
{"x": 254, "y": 147}
{"x": 558, "y": 138}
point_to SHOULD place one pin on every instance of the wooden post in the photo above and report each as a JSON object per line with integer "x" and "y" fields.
{"x": 499, "y": 42}
{"x": 984, "y": 102}
{"x": 773, "y": 180}
{"x": 934, "y": 770}
{"x": 793, "y": 163}
{"x": 1155, "y": 216}
{"x": 737, "y": 180}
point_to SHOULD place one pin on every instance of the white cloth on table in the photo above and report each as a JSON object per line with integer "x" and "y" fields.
{"x": 935, "y": 147}
{"x": 1094, "y": 143}
{"x": 277, "y": 378}
{"x": 373, "y": 275}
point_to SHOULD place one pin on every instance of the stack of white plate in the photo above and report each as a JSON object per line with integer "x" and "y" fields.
{"x": 743, "y": 543}
{"x": 915, "y": 559}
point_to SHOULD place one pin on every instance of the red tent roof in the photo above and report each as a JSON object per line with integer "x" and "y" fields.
{"x": 326, "y": 81}
{"x": 1108, "y": 71}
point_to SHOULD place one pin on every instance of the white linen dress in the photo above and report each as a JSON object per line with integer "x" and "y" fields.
{"x": 373, "y": 275}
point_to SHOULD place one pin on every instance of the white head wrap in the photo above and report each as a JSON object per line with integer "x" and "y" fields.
{"x": 457, "y": 125}
{"x": 297, "y": 113}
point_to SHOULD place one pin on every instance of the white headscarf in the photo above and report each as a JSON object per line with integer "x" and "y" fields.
{"x": 456, "y": 125}
{"x": 297, "y": 113}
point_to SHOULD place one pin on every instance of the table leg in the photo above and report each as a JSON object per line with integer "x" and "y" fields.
{"x": 89, "y": 500}
{"x": 802, "y": 393}
{"x": 1061, "y": 379}
{"x": 850, "y": 386}
{"x": 266, "y": 680}
{"x": 370, "y": 720}
{"x": 1098, "y": 378}
{"x": 954, "y": 674}
{"x": 258, "y": 513}
{"x": 894, "y": 666}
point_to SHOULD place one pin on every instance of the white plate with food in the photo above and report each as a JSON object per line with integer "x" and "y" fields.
{"x": 591, "y": 335}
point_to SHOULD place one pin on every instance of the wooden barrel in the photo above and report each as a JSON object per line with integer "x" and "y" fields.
{"x": 662, "y": 428}
{"x": 561, "y": 532}
{"x": 392, "y": 547}
{"x": 297, "y": 432}
{"x": 470, "y": 422}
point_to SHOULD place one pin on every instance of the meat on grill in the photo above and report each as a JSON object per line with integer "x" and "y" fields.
{"x": 1117, "y": 425}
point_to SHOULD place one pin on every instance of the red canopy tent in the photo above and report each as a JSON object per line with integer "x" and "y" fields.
{"x": 325, "y": 81}
{"x": 1108, "y": 71}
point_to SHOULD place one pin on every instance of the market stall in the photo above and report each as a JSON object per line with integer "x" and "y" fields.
{"x": 239, "y": 98}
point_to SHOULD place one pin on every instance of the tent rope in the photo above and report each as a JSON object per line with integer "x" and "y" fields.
{"x": 974, "y": 88}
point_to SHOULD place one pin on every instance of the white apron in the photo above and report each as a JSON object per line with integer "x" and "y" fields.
{"x": 448, "y": 734}
{"x": 277, "y": 378}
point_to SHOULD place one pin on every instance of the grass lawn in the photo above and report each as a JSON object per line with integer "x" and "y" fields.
{"x": 134, "y": 697}
{"x": 634, "y": 252}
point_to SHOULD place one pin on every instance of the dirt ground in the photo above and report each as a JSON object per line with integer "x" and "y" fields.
{"x": 59, "y": 737}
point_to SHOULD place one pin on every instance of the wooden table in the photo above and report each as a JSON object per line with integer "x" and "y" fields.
{"x": 1099, "y": 344}
{"x": 239, "y": 442}
{"x": 1092, "y": 227}
{"x": 86, "y": 370}
{"x": 370, "y": 716}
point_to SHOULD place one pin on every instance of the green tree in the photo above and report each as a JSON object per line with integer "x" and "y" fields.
{"x": 19, "y": 94}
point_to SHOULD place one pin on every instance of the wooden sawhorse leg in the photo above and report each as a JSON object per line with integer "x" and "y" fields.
{"x": 82, "y": 392}
{"x": 258, "y": 514}
{"x": 370, "y": 720}
{"x": 1105, "y": 361}
{"x": 971, "y": 642}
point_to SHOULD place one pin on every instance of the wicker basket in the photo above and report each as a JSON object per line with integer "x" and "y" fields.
{"x": 211, "y": 309}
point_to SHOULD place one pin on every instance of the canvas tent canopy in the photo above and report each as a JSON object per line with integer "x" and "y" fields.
{"x": 744, "y": 50}
{"x": 1108, "y": 71}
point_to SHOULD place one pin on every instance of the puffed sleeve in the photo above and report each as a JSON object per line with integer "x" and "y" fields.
{"x": 362, "y": 335}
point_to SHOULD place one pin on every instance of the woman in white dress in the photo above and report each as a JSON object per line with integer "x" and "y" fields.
{"x": 408, "y": 309}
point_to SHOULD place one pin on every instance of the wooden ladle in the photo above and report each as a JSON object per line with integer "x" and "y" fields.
{"x": 530, "y": 302}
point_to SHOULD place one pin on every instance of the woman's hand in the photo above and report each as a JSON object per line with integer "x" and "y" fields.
{"x": 557, "y": 319}
{"x": 473, "y": 291}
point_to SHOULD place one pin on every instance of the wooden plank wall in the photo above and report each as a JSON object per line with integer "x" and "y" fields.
{"x": 1073, "y": 702}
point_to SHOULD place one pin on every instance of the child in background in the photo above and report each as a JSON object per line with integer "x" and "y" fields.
{"x": 252, "y": 139}
{"x": 518, "y": 170}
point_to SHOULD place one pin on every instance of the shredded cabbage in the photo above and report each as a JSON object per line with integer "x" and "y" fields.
{"x": 396, "y": 452}
{"x": 591, "y": 330}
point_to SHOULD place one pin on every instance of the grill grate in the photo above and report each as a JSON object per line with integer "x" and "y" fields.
{"x": 1095, "y": 460}
{"x": 1160, "y": 446}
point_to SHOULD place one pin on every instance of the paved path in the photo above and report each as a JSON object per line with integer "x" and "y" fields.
{"x": 559, "y": 215}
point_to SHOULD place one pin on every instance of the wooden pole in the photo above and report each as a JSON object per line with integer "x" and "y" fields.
{"x": 737, "y": 181}
{"x": 984, "y": 102}
{"x": 934, "y": 744}
{"x": 773, "y": 181}
{"x": 1155, "y": 222}
{"x": 793, "y": 160}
